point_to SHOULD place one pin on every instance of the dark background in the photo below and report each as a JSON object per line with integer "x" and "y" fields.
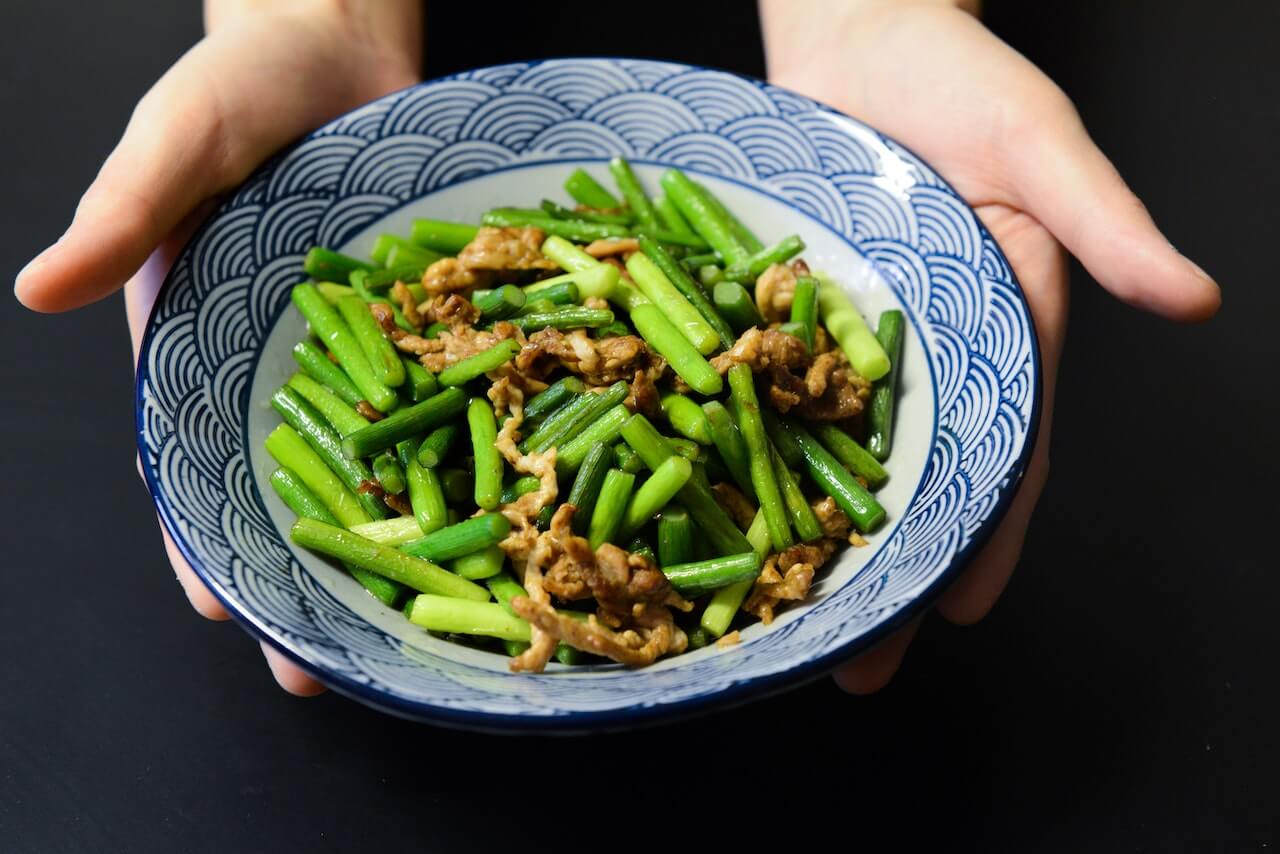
{"x": 1122, "y": 697}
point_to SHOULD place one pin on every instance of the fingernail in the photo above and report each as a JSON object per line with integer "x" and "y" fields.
{"x": 1198, "y": 269}
{"x": 34, "y": 264}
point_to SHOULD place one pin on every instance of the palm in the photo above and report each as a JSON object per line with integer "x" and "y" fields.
{"x": 1012, "y": 145}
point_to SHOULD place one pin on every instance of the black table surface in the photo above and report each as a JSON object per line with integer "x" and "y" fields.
{"x": 1121, "y": 697}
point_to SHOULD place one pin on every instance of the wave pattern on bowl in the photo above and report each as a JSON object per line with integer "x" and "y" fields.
{"x": 233, "y": 281}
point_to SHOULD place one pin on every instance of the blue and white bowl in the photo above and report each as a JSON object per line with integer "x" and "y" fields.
{"x": 874, "y": 216}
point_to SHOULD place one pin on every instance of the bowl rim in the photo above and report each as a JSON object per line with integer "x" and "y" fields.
{"x": 578, "y": 721}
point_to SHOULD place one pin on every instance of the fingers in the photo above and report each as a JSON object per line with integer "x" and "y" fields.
{"x": 1069, "y": 185}
{"x": 872, "y": 670}
{"x": 289, "y": 676}
{"x": 972, "y": 596}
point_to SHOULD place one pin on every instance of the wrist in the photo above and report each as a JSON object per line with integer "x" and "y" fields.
{"x": 797, "y": 31}
{"x": 393, "y": 28}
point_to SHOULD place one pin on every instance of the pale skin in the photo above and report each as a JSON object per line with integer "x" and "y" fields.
{"x": 925, "y": 72}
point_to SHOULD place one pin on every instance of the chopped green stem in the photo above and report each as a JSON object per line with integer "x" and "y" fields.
{"x": 804, "y": 309}
{"x": 500, "y": 303}
{"x": 736, "y": 306}
{"x": 686, "y": 448}
{"x": 389, "y": 473}
{"x": 852, "y": 455}
{"x": 745, "y": 236}
{"x": 518, "y": 487}
{"x": 390, "y": 248}
{"x": 687, "y": 418}
{"x": 426, "y": 494}
{"x": 726, "y": 601}
{"x": 803, "y": 519}
{"x": 560, "y": 293}
{"x": 742, "y": 384}
{"x": 669, "y": 216}
{"x": 858, "y": 504}
{"x": 603, "y": 431}
{"x": 552, "y": 398}
{"x": 629, "y": 185}
{"x": 679, "y": 278}
{"x": 404, "y": 423}
{"x": 446, "y": 237}
{"x": 627, "y": 459}
{"x": 595, "y": 406}
{"x": 654, "y": 285}
{"x": 378, "y": 349}
{"x": 702, "y": 259}
{"x": 709, "y": 275}
{"x": 304, "y": 503}
{"x": 462, "y": 372}
{"x": 613, "y": 330}
{"x": 459, "y": 616}
{"x": 779, "y": 253}
{"x": 485, "y": 563}
{"x": 488, "y": 468}
{"x": 337, "y": 336}
{"x": 706, "y": 221}
{"x": 458, "y": 486}
{"x": 332, "y": 292}
{"x": 675, "y": 536}
{"x": 847, "y": 326}
{"x": 699, "y": 577}
{"x": 783, "y": 440}
{"x": 433, "y": 331}
{"x": 292, "y": 451}
{"x": 544, "y": 435}
{"x": 469, "y": 535}
{"x": 341, "y": 415}
{"x": 577, "y": 230}
{"x": 684, "y": 358}
{"x": 559, "y": 212}
{"x": 389, "y": 532}
{"x": 890, "y": 333}
{"x": 571, "y": 317}
{"x": 324, "y": 440}
{"x": 586, "y": 485}
{"x": 379, "y": 281}
{"x": 414, "y": 572}
{"x": 666, "y": 481}
{"x": 588, "y": 192}
{"x": 326, "y": 265}
{"x": 610, "y": 507}
{"x": 729, "y": 442}
{"x": 435, "y": 448}
{"x": 419, "y": 382}
{"x": 654, "y": 449}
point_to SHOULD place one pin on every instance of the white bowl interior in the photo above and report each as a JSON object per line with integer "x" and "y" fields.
{"x": 525, "y": 186}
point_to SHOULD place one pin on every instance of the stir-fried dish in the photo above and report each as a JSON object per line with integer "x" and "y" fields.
{"x": 620, "y": 430}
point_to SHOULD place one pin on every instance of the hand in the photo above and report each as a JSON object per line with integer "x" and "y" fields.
{"x": 1012, "y": 144}
{"x": 264, "y": 75}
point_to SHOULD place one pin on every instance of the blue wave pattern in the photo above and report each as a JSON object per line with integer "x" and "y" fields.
{"x": 233, "y": 281}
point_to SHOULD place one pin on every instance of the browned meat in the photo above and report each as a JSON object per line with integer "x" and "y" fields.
{"x": 739, "y": 508}
{"x": 628, "y": 584}
{"x": 633, "y": 647}
{"x": 761, "y": 349}
{"x": 595, "y": 302}
{"x": 731, "y": 639}
{"x": 775, "y": 290}
{"x": 542, "y": 643}
{"x": 455, "y": 344}
{"x": 386, "y": 318}
{"x": 644, "y": 397}
{"x": 822, "y": 389}
{"x": 366, "y": 409}
{"x": 408, "y": 305}
{"x": 397, "y": 503}
{"x": 787, "y": 577}
{"x": 598, "y": 361}
{"x": 452, "y": 309}
{"x": 831, "y": 518}
{"x": 506, "y": 249}
{"x": 612, "y": 246}
{"x": 449, "y": 275}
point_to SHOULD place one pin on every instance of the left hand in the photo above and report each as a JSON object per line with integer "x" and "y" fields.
{"x": 1012, "y": 144}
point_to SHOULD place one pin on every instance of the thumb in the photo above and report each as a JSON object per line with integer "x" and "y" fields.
{"x": 1070, "y": 186}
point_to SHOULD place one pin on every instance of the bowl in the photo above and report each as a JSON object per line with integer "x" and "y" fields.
{"x": 874, "y": 216}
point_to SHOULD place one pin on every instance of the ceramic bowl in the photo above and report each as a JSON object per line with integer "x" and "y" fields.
{"x": 874, "y": 216}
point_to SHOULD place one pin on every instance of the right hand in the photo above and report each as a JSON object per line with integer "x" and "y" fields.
{"x": 265, "y": 74}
